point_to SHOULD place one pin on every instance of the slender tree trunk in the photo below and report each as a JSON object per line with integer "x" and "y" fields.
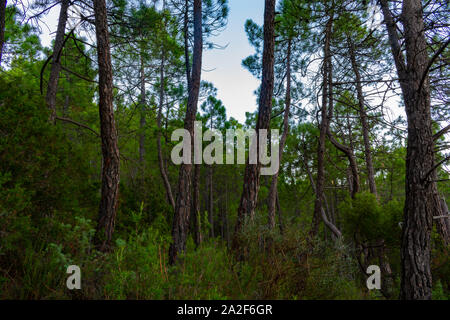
{"x": 363, "y": 119}
{"x": 318, "y": 205}
{"x": 52, "y": 86}
{"x": 2, "y": 26}
{"x": 273, "y": 191}
{"x": 196, "y": 216}
{"x": 421, "y": 201}
{"x": 348, "y": 151}
{"x": 66, "y": 108}
{"x": 211, "y": 202}
{"x": 249, "y": 196}
{"x": 162, "y": 169}
{"x": 110, "y": 150}
{"x": 186, "y": 45}
{"x": 337, "y": 233}
{"x": 225, "y": 215}
{"x": 443, "y": 221}
{"x": 183, "y": 203}
{"x": 142, "y": 122}
{"x": 280, "y": 215}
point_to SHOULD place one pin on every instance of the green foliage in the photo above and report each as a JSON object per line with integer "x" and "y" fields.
{"x": 438, "y": 292}
{"x": 365, "y": 217}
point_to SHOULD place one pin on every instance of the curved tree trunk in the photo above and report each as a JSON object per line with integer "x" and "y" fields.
{"x": 318, "y": 205}
{"x": 110, "y": 150}
{"x": 52, "y": 86}
{"x": 363, "y": 119}
{"x": 162, "y": 169}
{"x": 273, "y": 191}
{"x": 142, "y": 121}
{"x": 337, "y": 233}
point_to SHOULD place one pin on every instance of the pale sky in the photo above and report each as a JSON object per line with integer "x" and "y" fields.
{"x": 235, "y": 85}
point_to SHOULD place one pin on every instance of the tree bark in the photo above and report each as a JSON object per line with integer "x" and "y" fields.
{"x": 52, "y": 86}
{"x": 443, "y": 221}
{"x": 162, "y": 169}
{"x": 363, "y": 119}
{"x": 110, "y": 151}
{"x": 280, "y": 214}
{"x": 211, "y": 201}
{"x": 183, "y": 203}
{"x": 421, "y": 200}
{"x": 273, "y": 191}
{"x": 348, "y": 151}
{"x": 318, "y": 205}
{"x": 323, "y": 214}
{"x": 196, "y": 215}
{"x": 142, "y": 121}
{"x": 2, "y": 27}
{"x": 249, "y": 195}
{"x": 186, "y": 44}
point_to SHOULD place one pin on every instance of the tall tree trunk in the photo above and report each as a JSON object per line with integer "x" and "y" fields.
{"x": 183, "y": 203}
{"x": 318, "y": 205}
{"x": 225, "y": 215}
{"x": 2, "y": 26}
{"x": 363, "y": 119}
{"x": 337, "y": 233}
{"x": 443, "y": 221}
{"x": 348, "y": 151}
{"x": 66, "y": 107}
{"x": 198, "y": 237}
{"x": 196, "y": 215}
{"x": 280, "y": 214}
{"x": 421, "y": 201}
{"x": 211, "y": 202}
{"x": 273, "y": 191}
{"x": 162, "y": 169}
{"x": 110, "y": 150}
{"x": 142, "y": 122}
{"x": 249, "y": 196}
{"x": 52, "y": 86}
{"x": 186, "y": 44}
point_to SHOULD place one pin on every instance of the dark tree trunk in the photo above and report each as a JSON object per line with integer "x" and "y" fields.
{"x": 421, "y": 200}
{"x": 337, "y": 233}
{"x": 183, "y": 202}
{"x": 318, "y": 205}
{"x": 66, "y": 107}
{"x": 52, "y": 86}
{"x": 225, "y": 216}
{"x": 110, "y": 150}
{"x": 348, "y": 151}
{"x": 2, "y": 26}
{"x": 162, "y": 169}
{"x": 211, "y": 202}
{"x": 196, "y": 216}
{"x": 198, "y": 237}
{"x": 186, "y": 45}
{"x": 249, "y": 196}
{"x": 273, "y": 191}
{"x": 280, "y": 215}
{"x": 443, "y": 221}
{"x": 363, "y": 119}
{"x": 142, "y": 122}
